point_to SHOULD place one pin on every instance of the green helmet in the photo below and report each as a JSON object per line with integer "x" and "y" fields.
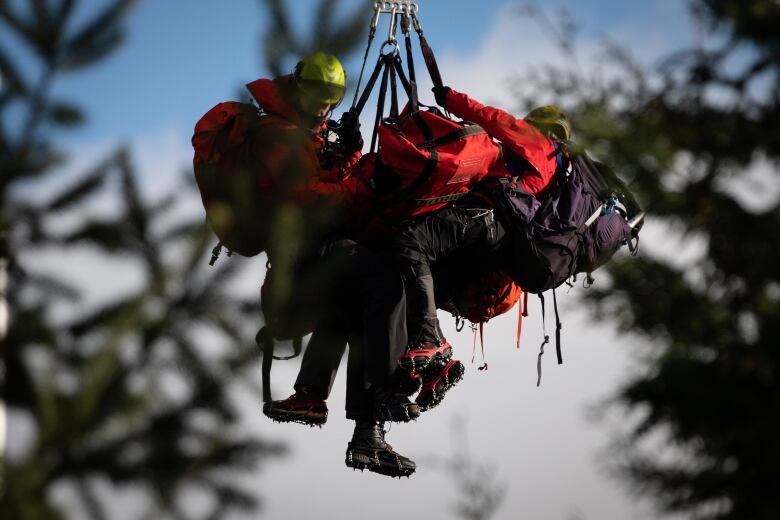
{"x": 321, "y": 76}
{"x": 550, "y": 120}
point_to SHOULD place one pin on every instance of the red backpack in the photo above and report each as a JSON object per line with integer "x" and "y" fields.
{"x": 225, "y": 177}
{"x": 487, "y": 297}
{"x": 426, "y": 161}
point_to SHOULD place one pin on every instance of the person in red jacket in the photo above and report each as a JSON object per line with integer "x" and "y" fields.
{"x": 319, "y": 279}
{"x": 530, "y": 156}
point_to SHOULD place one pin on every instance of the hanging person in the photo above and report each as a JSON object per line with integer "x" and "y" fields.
{"x": 557, "y": 213}
{"x": 363, "y": 307}
{"x": 251, "y": 162}
{"x": 529, "y": 155}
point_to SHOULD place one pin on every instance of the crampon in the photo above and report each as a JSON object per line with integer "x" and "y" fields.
{"x": 436, "y": 384}
{"x": 311, "y": 412}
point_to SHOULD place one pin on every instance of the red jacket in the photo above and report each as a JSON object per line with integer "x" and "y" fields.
{"x": 516, "y": 134}
{"x": 281, "y": 142}
{"x": 283, "y": 118}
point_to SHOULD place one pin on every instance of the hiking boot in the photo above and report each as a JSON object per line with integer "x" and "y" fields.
{"x": 368, "y": 450}
{"x": 409, "y": 383}
{"x": 390, "y": 404}
{"x": 301, "y": 407}
{"x": 421, "y": 355}
{"x": 436, "y": 383}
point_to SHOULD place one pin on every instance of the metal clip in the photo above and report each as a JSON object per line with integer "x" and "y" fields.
{"x": 393, "y": 24}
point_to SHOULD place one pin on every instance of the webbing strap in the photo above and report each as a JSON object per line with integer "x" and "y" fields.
{"x": 558, "y": 327}
{"x": 461, "y": 133}
{"x": 369, "y": 86}
{"x": 414, "y": 104}
{"x": 265, "y": 341}
{"x": 437, "y": 200}
{"x": 381, "y": 103}
{"x": 484, "y": 365}
{"x": 393, "y": 91}
{"x": 520, "y": 311}
{"x": 399, "y": 70}
{"x": 430, "y": 61}
{"x": 541, "y": 347}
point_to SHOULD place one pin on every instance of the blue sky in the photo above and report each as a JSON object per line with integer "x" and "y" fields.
{"x": 183, "y": 56}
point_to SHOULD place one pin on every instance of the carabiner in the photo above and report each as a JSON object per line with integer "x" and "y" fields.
{"x": 393, "y": 24}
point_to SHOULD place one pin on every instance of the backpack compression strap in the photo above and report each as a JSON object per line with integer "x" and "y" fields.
{"x": 265, "y": 340}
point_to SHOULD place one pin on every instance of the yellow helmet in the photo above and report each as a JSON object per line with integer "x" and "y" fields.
{"x": 321, "y": 76}
{"x": 550, "y": 120}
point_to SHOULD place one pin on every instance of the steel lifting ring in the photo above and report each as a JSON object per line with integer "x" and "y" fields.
{"x": 396, "y": 48}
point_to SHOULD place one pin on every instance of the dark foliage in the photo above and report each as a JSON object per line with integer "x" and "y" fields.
{"x": 691, "y": 136}
{"x": 123, "y": 395}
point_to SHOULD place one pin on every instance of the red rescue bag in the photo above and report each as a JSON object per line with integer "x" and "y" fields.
{"x": 226, "y": 178}
{"x": 426, "y": 161}
{"x": 488, "y": 296}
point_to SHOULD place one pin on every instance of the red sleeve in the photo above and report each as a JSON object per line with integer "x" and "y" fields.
{"x": 352, "y": 196}
{"x": 343, "y": 167}
{"x": 517, "y": 135}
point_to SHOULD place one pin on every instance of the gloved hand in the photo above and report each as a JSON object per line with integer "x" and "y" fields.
{"x": 349, "y": 131}
{"x": 441, "y": 93}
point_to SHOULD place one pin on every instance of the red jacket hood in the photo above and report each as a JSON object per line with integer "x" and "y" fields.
{"x": 270, "y": 94}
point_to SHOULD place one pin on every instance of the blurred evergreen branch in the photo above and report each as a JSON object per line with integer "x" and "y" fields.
{"x": 124, "y": 393}
{"x": 690, "y": 135}
{"x": 332, "y": 30}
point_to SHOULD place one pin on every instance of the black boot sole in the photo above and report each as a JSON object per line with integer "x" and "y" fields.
{"x": 422, "y": 363}
{"x": 380, "y": 462}
{"x": 306, "y": 416}
{"x": 430, "y": 399}
{"x": 406, "y": 413}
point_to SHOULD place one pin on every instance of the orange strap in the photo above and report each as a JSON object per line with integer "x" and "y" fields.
{"x": 482, "y": 345}
{"x": 522, "y": 311}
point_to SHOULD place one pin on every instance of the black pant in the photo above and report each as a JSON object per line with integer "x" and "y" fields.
{"x": 365, "y": 308}
{"x": 469, "y": 230}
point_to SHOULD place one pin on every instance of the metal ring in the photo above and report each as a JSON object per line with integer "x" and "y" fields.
{"x": 394, "y": 43}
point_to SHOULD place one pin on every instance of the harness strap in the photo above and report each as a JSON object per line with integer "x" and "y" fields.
{"x": 484, "y": 365}
{"x": 541, "y": 347}
{"x": 436, "y": 200}
{"x": 369, "y": 86}
{"x": 215, "y": 253}
{"x": 520, "y": 312}
{"x": 558, "y": 327}
{"x": 461, "y": 133}
{"x": 393, "y": 91}
{"x": 381, "y": 102}
{"x": 371, "y": 34}
{"x": 430, "y": 59}
{"x": 414, "y": 104}
{"x": 265, "y": 341}
{"x": 410, "y": 88}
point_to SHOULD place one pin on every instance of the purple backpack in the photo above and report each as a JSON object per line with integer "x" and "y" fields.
{"x": 575, "y": 227}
